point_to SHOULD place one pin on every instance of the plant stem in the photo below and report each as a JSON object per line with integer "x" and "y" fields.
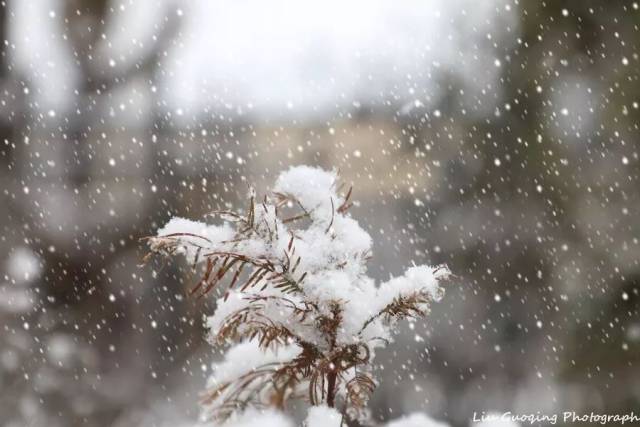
{"x": 331, "y": 389}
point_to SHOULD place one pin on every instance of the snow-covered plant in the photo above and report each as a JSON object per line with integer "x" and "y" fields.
{"x": 296, "y": 305}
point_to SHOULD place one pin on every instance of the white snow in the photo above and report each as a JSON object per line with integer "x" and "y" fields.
{"x": 247, "y": 357}
{"x": 254, "y": 418}
{"x": 421, "y": 279}
{"x": 416, "y": 420}
{"x": 312, "y": 187}
{"x": 197, "y": 236}
{"x": 242, "y": 359}
{"x": 323, "y": 416}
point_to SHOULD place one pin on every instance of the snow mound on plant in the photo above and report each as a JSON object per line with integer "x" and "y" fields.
{"x": 247, "y": 357}
{"x": 323, "y": 416}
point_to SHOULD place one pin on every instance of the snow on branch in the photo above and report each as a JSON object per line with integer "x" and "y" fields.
{"x": 295, "y": 299}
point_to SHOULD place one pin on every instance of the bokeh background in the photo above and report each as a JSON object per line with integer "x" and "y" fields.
{"x": 499, "y": 137}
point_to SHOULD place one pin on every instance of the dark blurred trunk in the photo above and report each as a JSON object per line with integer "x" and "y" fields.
{"x": 6, "y": 128}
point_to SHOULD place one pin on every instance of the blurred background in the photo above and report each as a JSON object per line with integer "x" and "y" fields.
{"x": 499, "y": 137}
